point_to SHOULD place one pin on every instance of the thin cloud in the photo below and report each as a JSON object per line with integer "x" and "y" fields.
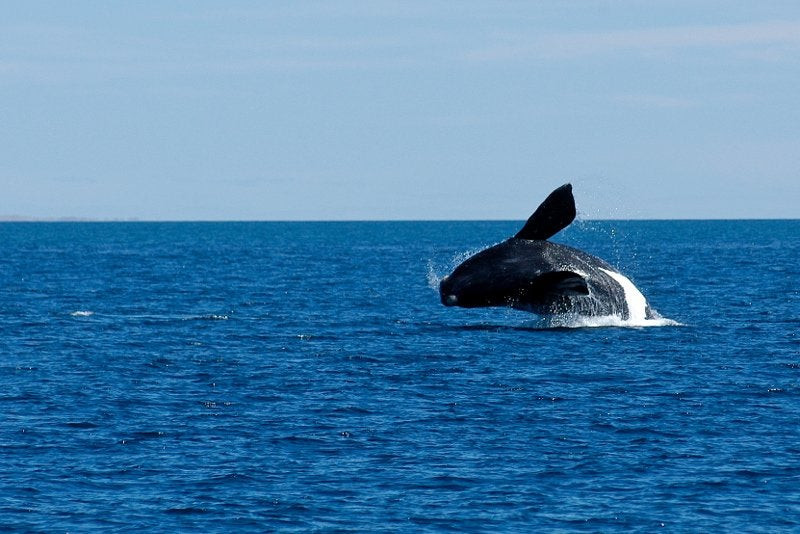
{"x": 51, "y": 54}
{"x": 752, "y": 37}
{"x": 655, "y": 101}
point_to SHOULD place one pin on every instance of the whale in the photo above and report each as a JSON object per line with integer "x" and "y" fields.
{"x": 530, "y": 273}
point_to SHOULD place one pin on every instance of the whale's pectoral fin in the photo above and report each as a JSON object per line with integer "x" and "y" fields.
{"x": 552, "y": 215}
{"x": 566, "y": 283}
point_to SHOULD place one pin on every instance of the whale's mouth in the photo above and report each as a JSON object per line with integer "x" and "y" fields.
{"x": 449, "y": 300}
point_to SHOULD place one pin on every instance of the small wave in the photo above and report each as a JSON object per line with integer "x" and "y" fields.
{"x": 188, "y": 510}
{"x": 80, "y": 424}
{"x": 82, "y": 313}
{"x": 206, "y": 317}
{"x": 214, "y": 317}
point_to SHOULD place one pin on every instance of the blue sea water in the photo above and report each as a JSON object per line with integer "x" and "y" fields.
{"x": 304, "y": 377}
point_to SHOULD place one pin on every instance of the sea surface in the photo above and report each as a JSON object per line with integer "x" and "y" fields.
{"x": 256, "y": 377}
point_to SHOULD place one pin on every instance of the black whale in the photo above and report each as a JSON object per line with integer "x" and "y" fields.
{"x": 529, "y": 273}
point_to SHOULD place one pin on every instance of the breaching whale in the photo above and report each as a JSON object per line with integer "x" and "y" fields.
{"x": 527, "y": 272}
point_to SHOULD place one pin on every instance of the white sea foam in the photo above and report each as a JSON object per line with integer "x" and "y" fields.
{"x": 207, "y": 317}
{"x": 212, "y": 317}
{"x": 600, "y": 321}
{"x": 637, "y": 304}
{"x": 155, "y": 316}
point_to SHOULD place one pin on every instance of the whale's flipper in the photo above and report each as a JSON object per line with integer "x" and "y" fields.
{"x": 565, "y": 283}
{"x": 552, "y": 216}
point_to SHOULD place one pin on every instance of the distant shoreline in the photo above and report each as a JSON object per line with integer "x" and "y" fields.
{"x": 23, "y": 218}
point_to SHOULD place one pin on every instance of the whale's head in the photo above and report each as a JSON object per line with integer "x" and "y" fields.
{"x": 478, "y": 282}
{"x": 457, "y": 292}
{"x": 516, "y": 273}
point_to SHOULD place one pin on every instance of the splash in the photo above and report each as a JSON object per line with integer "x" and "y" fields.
{"x": 436, "y": 273}
{"x": 637, "y": 304}
{"x": 637, "y": 312}
{"x": 82, "y": 313}
{"x": 433, "y": 277}
{"x": 599, "y": 321}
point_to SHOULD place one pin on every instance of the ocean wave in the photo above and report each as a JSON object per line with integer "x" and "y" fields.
{"x": 208, "y": 317}
{"x": 155, "y": 316}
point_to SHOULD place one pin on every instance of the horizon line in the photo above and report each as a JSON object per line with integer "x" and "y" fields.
{"x": 62, "y": 220}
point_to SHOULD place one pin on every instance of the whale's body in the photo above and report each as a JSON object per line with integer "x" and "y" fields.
{"x": 529, "y": 273}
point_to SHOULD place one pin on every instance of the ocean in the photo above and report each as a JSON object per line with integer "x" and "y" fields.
{"x": 257, "y": 377}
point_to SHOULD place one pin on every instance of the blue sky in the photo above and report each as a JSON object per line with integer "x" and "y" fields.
{"x": 399, "y": 110}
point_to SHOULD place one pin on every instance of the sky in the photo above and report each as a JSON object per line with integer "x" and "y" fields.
{"x": 350, "y": 110}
